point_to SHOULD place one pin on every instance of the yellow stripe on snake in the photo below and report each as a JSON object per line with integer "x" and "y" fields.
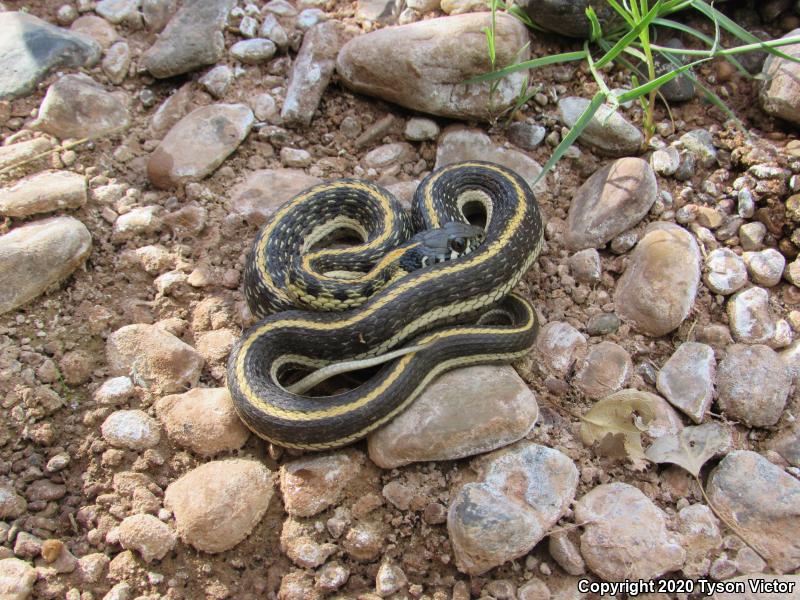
{"x": 425, "y": 293}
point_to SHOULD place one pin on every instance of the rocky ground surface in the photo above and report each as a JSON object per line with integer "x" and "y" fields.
{"x": 144, "y": 142}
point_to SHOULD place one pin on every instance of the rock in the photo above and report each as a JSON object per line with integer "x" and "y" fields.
{"x": 751, "y": 235}
{"x": 773, "y": 586}
{"x": 157, "y": 13}
{"x": 37, "y": 255}
{"x": 749, "y": 316}
{"x": 625, "y": 535}
{"x": 724, "y": 271}
{"x": 16, "y": 578}
{"x": 386, "y": 155}
{"x": 657, "y": 290}
{"x": 700, "y": 144}
{"x": 120, "y": 11}
{"x": 765, "y": 267}
{"x": 423, "y": 65}
{"x": 752, "y": 385}
{"x": 31, "y": 48}
{"x": 521, "y": 492}
{"x": 264, "y": 191}
{"x": 217, "y": 81}
{"x": 585, "y": 266}
{"x": 609, "y": 133}
{"x": 560, "y": 345}
{"x": 679, "y": 89}
{"x": 787, "y": 443}
{"x": 332, "y": 576}
{"x": 605, "y": 370}
{"x": 458, "y": 144}
{"x": 390, "y": 579}
{"x": 465, "y": 412}
{"x": 117, "y": 61}
{"x": 780, "y": 90}
{"x": 114, "y": 391}
{"x": 380, "y": 11}
{"x": 24, "y": 152}
{"x": 603, "y": 324}
{"x": 45, "y": 192}
{"x": 148, "y": 535}
{"x": 202, "y": 420}
{"x": 312, "y": 71}
{"x": 419, "y": 129}
{"x": 217, "y": 505}
{"x": 763, "y": 501}
{"x": 198, "y": 144}
{"x": 252, "y": 52}
{"x": 569, "y": 17}
{"x": 76, "y": 106}
{"x": 97, "y": 29}
{"x": 265, "y": 108}
{"x": 120, "y": 591}
{"x": 274, "y": 31}
{"x": 295, "y": 157}
{"x": 27, "y": 545}
{"x": 310, "y": 17}
{"x": 612, "y": 200}
{"x": 665, "y": 161}
{"x": 92, "y": 567}
{"x": 364, "y": 542}
{"x": 192, "y": 39}
{"x": 310, "y": 485}
{"x": 566, "y": 553}
{"x": 687, "y": 379}
{"x": 171, "y": 111}
{"x": 131, "y": 429}
{"x": 12, "y": 505}
{"x": 140, "y": 221}
{"x": 701, "y": 538}
{"x": 154, "y": 357}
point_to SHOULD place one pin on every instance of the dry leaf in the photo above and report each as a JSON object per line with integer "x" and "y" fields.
{"x": 617, "y": 416}
{"x": 692, "y": 447}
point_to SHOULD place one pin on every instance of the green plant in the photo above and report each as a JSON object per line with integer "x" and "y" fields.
{"x": 632, "y": 45}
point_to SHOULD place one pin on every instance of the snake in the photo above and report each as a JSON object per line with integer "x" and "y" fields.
{"x": 415, "y": 295}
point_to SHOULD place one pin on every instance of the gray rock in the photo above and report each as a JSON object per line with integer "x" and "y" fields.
{"x": 701, "y": 538}
{"x": 679, "y": 89}
{"x": 295, "y": 157}
{"x": 568, "y": 17}
{"x": 252, "y": 52}
{"x": 76, "y": 106}
{"x": 602, "y": 324}
{"x": 560, "y": 345}
{"x": 171, "y": 111}
{"x": 273, "y": 30}
{"x": 657, "y": 290}
{"x": 752, "y": 385}
{"x": 701, "y": 145}
{"x": 198, "y": 144}
{"x": 310, "y": 17}
{"x": 31, "y": 48}
{"x": 462, "y": 413}
{"x": 16, "y": 579}
{"x": 724, "y": 271}
{"x": 131, "y": 429}
{"x": 377, "y": 11}
{"x": 526, "y": 135}
{"x": 423, "y": 65}
{"x": 24, "y": 152}
{"x": 608, "y": 132}
{"x": 311, "y": 72}
{"x": 521, "y": 492}
{"x": 612, "y": 200}
{"x": 217, "y": 80}
{"x": 457, "y": 144}
{"x": 605, "y": 370}
{"x": 687, "y": 379}
{"x": 192, "y": 39}
{"x": 665, "y": 161}
{"x": 120, "y": 11}
{"x": 765, "y": 267}
{"x": 42, "y": 193}
{"x": 96, "y": 28}
{"x": 116, "y": 62}
{"x": 625, "y": 535}
{"x": 37, "y": 255}
{"x": 750, "y": 319}
{"x": 787, "y": 443}
{"x": 386, "y": 155}
{"x": 751, "y": 235}
{"x": 264, "y": 191}
{"x": 157, "y": 13}
{"x": 764, "y": 502}
{"x": 780, "y": 94}
{"x": 419, "y": 129}
{"x": 585, "y": 266}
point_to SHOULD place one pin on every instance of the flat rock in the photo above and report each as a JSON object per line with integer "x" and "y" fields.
{"x": 568, "y": 17}
{"x": 312, "y": 71}
{"x": 609, "y": 133}
{"x": 625, "y": 535}
{"x": 254, "y": 51}
{"x": 750, "y": 317}
{"x": 264, "y": 191}
{"x": 763, "y": 501}
{"x": 752, "y": 385}
{"x": 172, "y": 110}
{"x": 687, "y": 379}
{"x": 605, "y": 370}
{"x": 612, "y": 200}
{"x": 131, "y": 429}
{"x": 42, "y": 193}
{"x": 148, "y": 535}
{"x": 12, "y": 505}
{"x": 192, "y": 39}
{"x": 16, "y": 579}
{"x": 658, "y": 288}
{"x": 153, "y": 357}
{"x": 465, "y": 412}
{"x": 423, "y": 65}
{"x": 780, "y": 93}
{"x": 24, "y": 152}
{"x": 521, "y": 492}
{"x": 217, "y": 505}
{"x": 30, "y": 48}
{"x": 787, "y": 443}
{"x": 37, "y": 255}
{"x": 310, "y": 485}
{"x": 457, "y": 144}
{"x": 198, "y": 144}
{"x": 202, "y": 420}
{"x": 76, "y": 106}
{"x": 724, "y": 271}
{"x": 97, "y": 29}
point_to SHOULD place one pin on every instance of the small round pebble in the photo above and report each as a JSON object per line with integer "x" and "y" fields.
{"x": 419, "y": 129}
{"x": 131, "y": 429}
{"x": 602, "y": 324}
{"x": 765, "y": 267}
{"x": 148, "y": 535}
{"x": 724, "y": 271}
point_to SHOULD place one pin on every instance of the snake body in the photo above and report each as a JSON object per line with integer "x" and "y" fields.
{"x": 434, "y": 308}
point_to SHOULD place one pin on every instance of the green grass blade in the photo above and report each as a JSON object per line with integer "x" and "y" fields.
{"x": 622, "y": 12}
{"x": 701, "y": 36}
{"x": 529, "y": 64}
{"x": 656, "y": 83}
{"x": 572, "y": 135}
{"x": 597, "y": 30}
{"x": 629, "y": 37}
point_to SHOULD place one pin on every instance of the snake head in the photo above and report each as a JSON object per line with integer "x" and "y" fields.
{"x": 452, "y": 240}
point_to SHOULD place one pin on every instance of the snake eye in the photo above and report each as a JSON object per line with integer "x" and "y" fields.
{"x": 458, "y": 245}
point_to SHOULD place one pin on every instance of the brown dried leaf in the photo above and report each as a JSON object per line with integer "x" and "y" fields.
{"x": 624, "y": 417}
{"x": 692, "y": 447}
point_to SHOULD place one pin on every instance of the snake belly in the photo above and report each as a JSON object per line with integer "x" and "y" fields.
{"x": 435, "y": 307}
